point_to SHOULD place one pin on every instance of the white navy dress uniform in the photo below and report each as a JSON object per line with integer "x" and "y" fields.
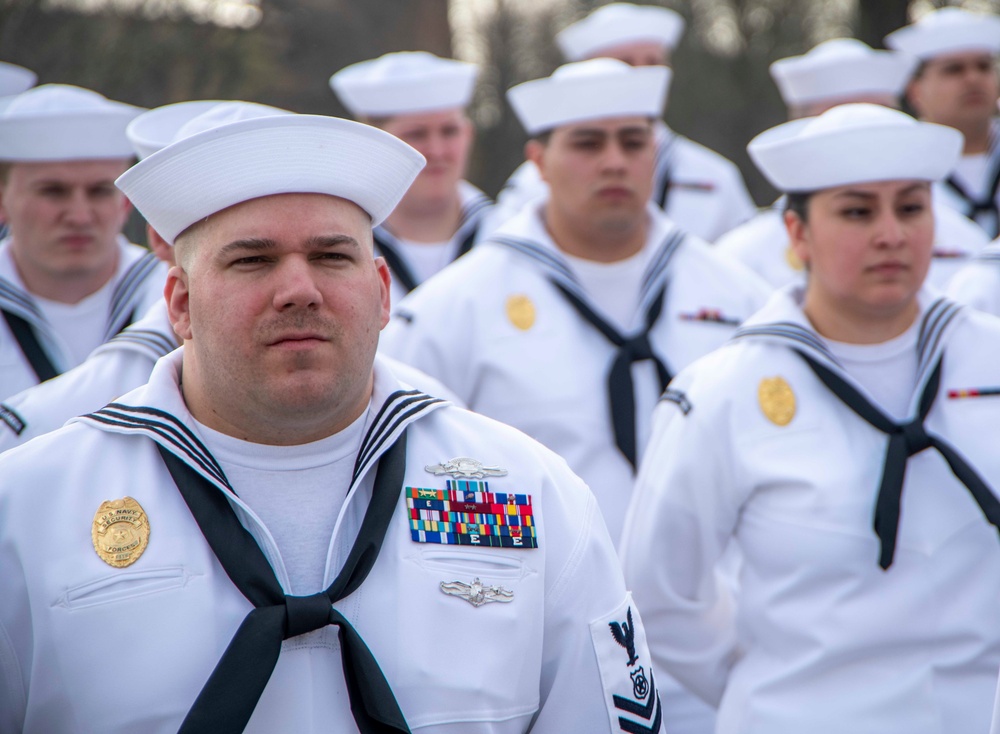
{"x": 973, "y": 188}
{"x": 835, "y": 72}
{"x": 750, "y": 446}
{"x": 700, "y": 190}
{"x": 798, "y": 501}
{"x": 405, "y": 83}
{"x": 541, "y": 353}
{"x": 64, "y": 123}
{"x": 504, "y": 307}
{"x": 172, "y": 588}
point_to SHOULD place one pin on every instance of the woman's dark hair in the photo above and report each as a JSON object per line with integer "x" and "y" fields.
{"x": 798, "y": 202}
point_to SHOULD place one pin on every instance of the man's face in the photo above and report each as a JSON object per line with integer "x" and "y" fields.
{"x": 637, "y": 53}
{"x": 64, "y": 217}
{"x": 600, "y": 173}
{"x": 444, "y": 139}
{"x": 280, "y": 304}
{"x": 956, "y": 89}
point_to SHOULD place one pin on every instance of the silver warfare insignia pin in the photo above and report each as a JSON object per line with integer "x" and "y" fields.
{"x": 463, "y": 467}
{"x": 477, "y": 593}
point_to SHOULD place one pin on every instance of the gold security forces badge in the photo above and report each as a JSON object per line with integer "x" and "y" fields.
{"x": 120, "y": 532}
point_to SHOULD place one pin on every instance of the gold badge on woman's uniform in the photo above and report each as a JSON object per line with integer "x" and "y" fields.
{"x": 521, "y": 311}
{"x": 777, "y": 401}
{"x": 120, "y": 532}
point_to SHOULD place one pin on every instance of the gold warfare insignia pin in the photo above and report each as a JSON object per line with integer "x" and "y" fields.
{"x": 120, "y": 532}
{"x": 793, "y": 260}
{"x": 521, "y": 311}
{"x": 777, "y": 401}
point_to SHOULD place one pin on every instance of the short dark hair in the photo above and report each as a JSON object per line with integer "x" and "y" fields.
{"x": 798, "y": 203}
{"x": 379, "y": 121}
{"x": 543, "y": 137}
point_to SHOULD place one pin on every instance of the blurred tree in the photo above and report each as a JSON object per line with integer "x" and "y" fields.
{"x": 878, "y": 18}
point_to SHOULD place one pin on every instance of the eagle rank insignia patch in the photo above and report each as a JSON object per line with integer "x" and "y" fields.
{"x": 777, "y": 401}
{"x": 120, "y": 532}
{"x": 630, "y": 693}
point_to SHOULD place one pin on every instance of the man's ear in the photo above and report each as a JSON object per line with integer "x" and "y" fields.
{"x": 385, "y": 283}
{"x": 177, "y": 296}
{"x": 534, "y": 152}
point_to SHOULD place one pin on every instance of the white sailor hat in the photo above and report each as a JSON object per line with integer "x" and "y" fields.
{"x": 589, "y": 90}
{"x": 854, "y": 143}
{"x": 841, "y": 68}
{"x": 946, "y": 31}
{"x": 157, "y": 128}
{"x": 618, "y": 23}
{"x": 213, "y": 170}
{"x": 15, "y": 79}
{"x": 59, "y": 122}
{"x": 403, "y": 83}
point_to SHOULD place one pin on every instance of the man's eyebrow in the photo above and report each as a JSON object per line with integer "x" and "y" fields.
{"x": 587, "y": 131}
{"x": 338, "y": 240}
{"x": 248, "y": 244}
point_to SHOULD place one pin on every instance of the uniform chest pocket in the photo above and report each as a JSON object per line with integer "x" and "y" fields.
{"x": 123, "y": 585}
{"x": 472, "y": 637}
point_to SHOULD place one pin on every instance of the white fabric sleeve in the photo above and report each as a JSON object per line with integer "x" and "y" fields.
{"x": 977, "y": 285}
{"x": 739, "y": 206}
{"x": 591, "y": 680}
{"x": 423, "y": 332}
{"x": 995, "y": 726}
{"x": 90, "y": 386}
{"x": 677, "y": 528}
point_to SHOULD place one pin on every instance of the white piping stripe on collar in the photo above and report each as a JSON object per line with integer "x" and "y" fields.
{"x": 19, "y": 302}
{"x": 472, "y": 211}
{"x": 787, "y": 330}
{"x": 399, "y": 410}
{"x": 663, "y": 165}
{"x": 154, "y": 342}
{"x": 933, "y": 326}
{"x": 166, "y": 430}
{"x": 126, "y": 291}
{"x": 545, "y": 257}
{"x": 551, "y": 261}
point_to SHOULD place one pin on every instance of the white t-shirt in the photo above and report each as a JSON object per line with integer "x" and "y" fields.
{"x": 887, "y": 371}
{"x": 80, "y": 325}
{"x": 971, "y": 174}
{"x": 427, "y": 258}
{"x": 614, "y": 287}
{"x": 296, "y": 491}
